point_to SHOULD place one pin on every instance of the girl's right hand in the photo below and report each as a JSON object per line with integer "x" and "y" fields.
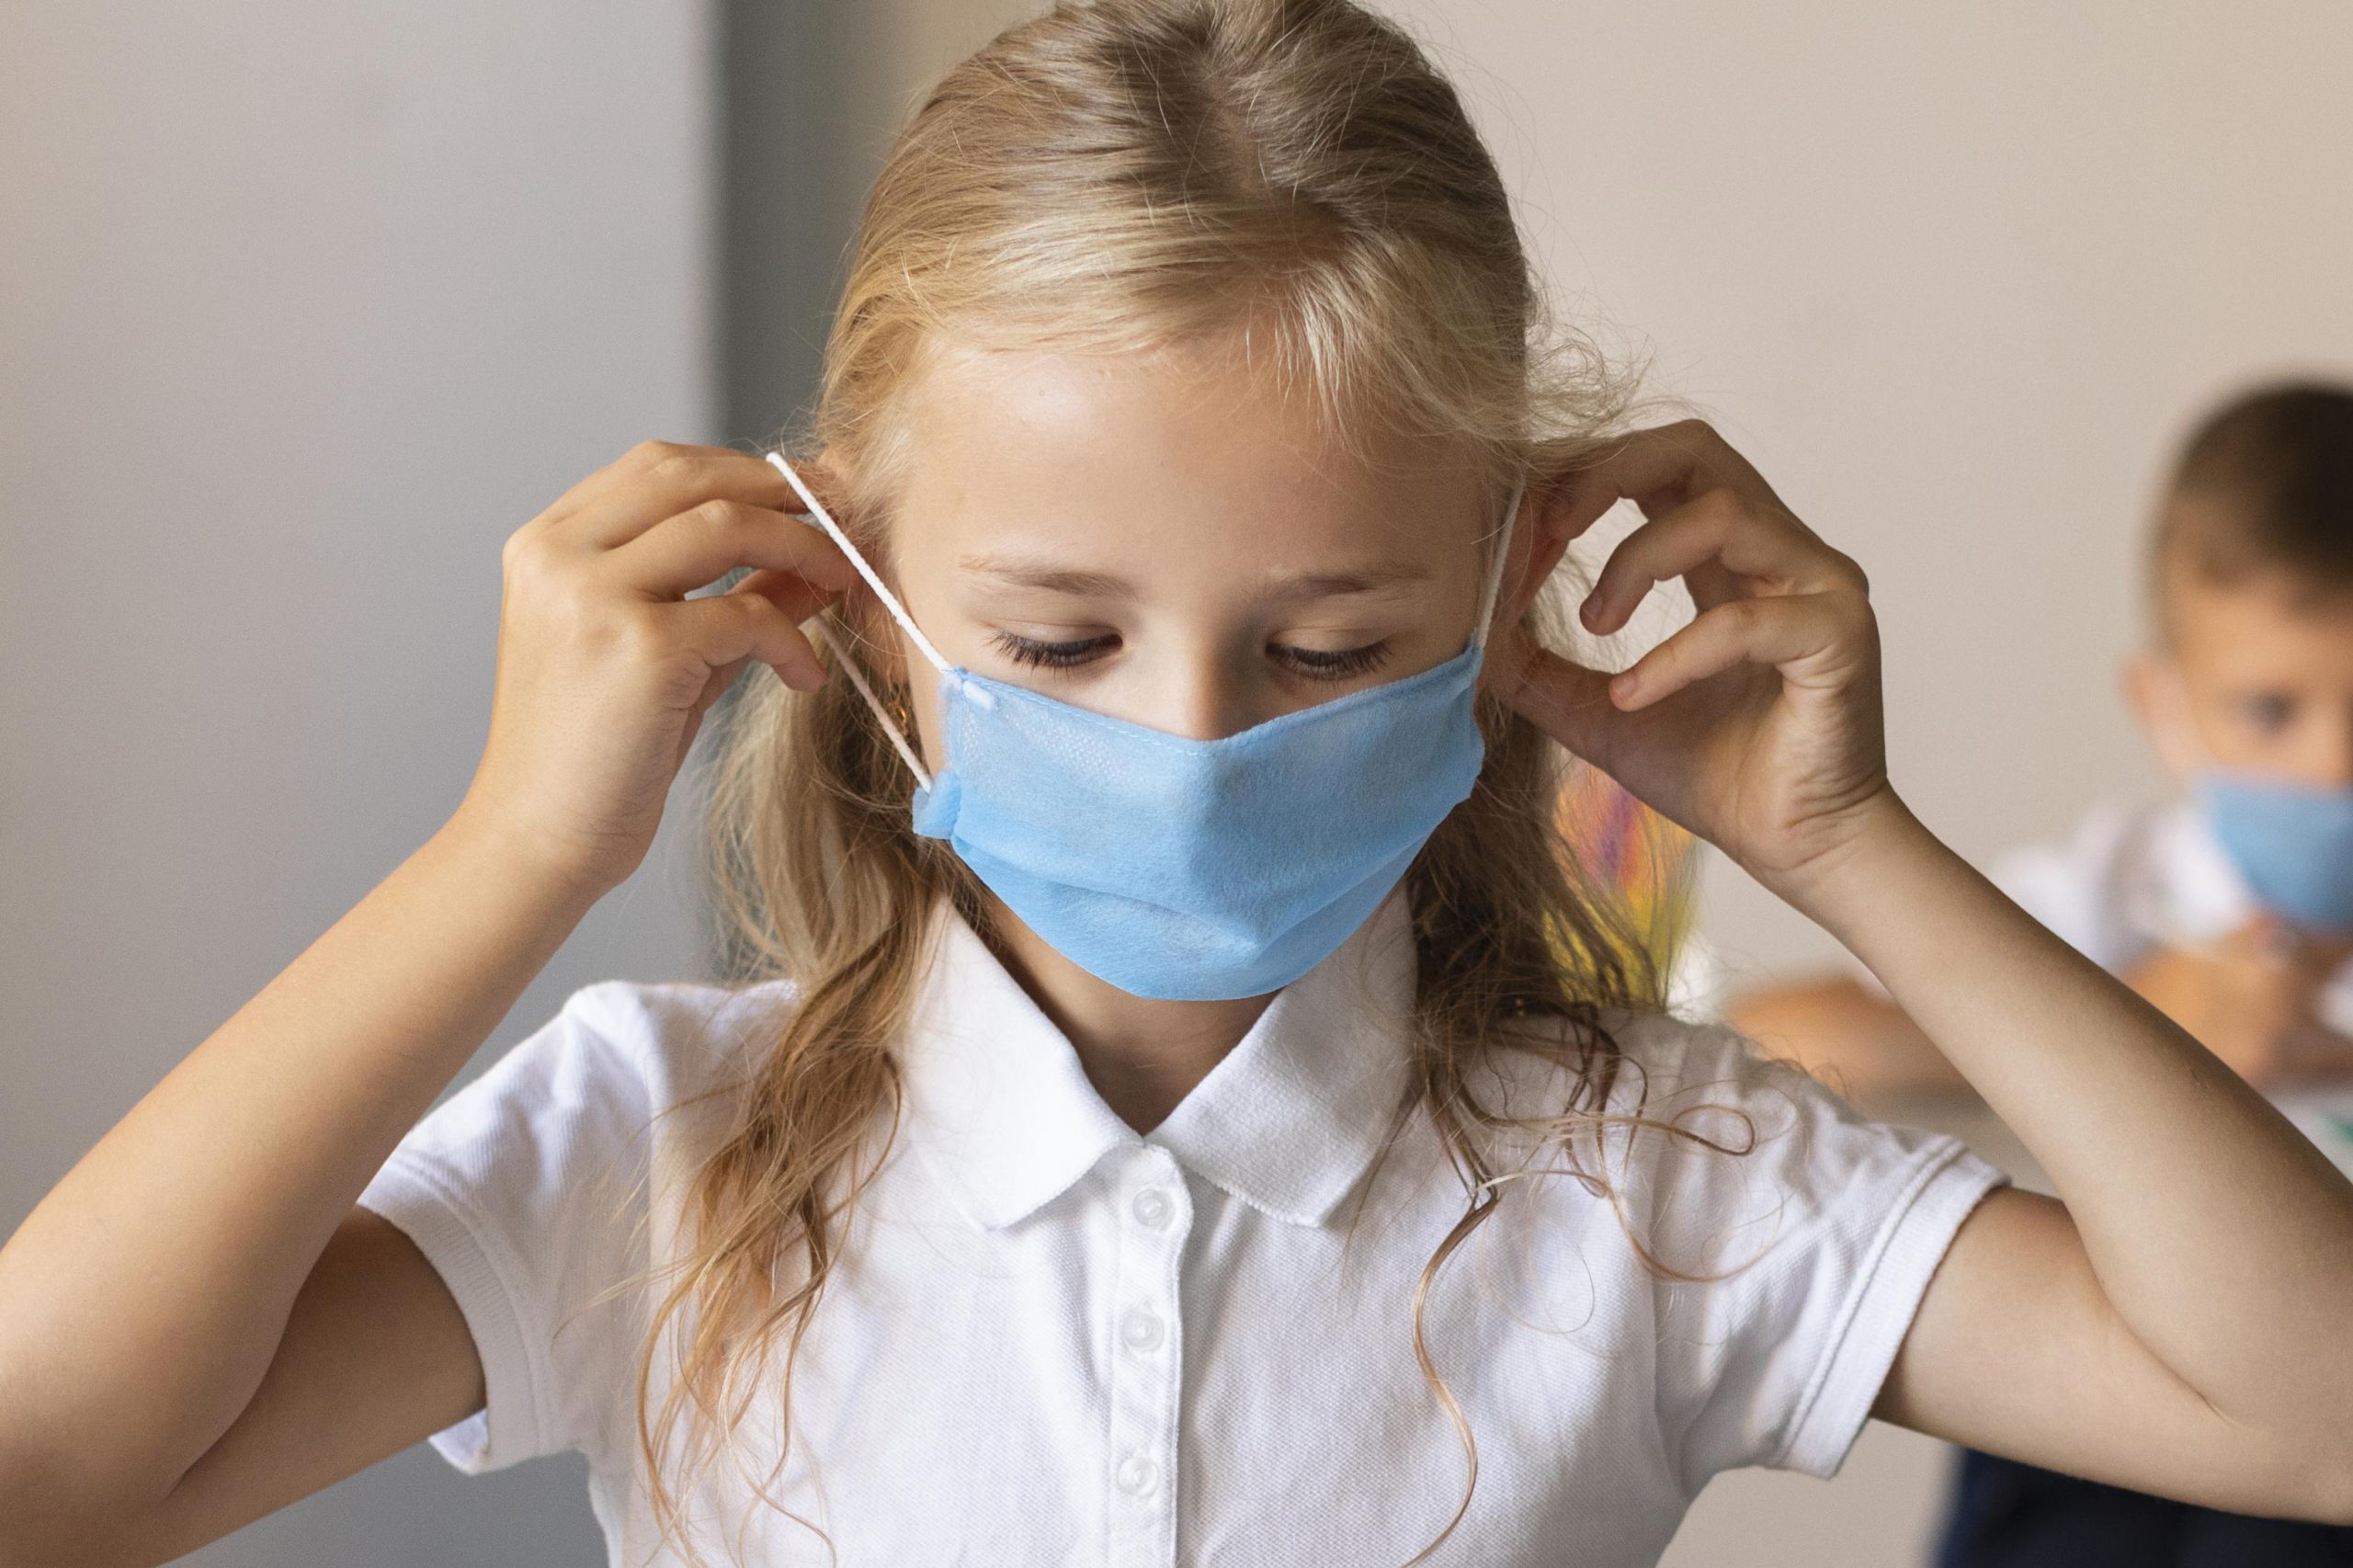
{"x": 195, "y": 1326}
{"x": 605, "y": 667}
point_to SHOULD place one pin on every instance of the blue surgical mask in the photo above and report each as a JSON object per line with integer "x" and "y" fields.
{"x": 2292, "y": 841}
{"x": 1190, "y": 869}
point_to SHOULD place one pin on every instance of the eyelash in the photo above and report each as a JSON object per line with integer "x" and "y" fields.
{"x": 1052, "y": 656}
{"x": 1317, "y": 664}
{"x": 1313, "y": 663}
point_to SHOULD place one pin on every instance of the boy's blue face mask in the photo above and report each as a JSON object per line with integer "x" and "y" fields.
{"x": 1191, "y": 870}
{"x": 2292, "y": 841}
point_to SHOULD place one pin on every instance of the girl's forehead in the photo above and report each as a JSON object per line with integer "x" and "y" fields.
{"x": 1051, "y": 445}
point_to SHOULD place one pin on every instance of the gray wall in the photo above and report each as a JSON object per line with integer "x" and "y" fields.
{"x": 302, "y": 309}
{"x": 791, "y": 178}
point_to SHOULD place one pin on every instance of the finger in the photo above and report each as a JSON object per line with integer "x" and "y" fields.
{"x": 713, "y": 538}
{"x": 795, "y": 596}
{"x": 1658, "y": 469}
{"x": 661, "y": 479}
{"x": 621, "y": 471}
{"x": 596, "y": 481}
{"x": 1779, "y": 631}
{"x": 1564, "y": 698}
{"x": 724, "y": 629}
{"x": 800, "y": 600}
{"x": 714, "y": 687}
{"x": 1720, "y": 532}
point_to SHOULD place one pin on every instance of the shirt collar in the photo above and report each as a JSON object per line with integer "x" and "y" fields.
{"x": 1288, "y": 1121}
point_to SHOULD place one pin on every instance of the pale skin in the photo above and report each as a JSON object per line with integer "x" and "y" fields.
{"x": 197, "y": 1327}
{"x": 2253, "y": 675}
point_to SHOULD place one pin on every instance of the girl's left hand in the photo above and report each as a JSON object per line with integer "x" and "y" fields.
{"x": 1758, "y": 726}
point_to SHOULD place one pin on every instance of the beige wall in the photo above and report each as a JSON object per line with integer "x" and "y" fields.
{"x": 1954, "y": 277}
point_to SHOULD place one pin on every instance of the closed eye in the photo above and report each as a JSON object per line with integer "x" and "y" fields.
{"x": 1051, "y": 655}
{"x": 1324, "y": 663}
{"x": 1316, "y": 664}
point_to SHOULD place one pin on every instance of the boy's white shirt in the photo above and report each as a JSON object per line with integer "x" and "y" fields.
{"x": 1049, "y": 1339}
{"x": 2134, "y": 877}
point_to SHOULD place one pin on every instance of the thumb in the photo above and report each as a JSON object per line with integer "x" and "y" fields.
{"x": 1564, "y": 698}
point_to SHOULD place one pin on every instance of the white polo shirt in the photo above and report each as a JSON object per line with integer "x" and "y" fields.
{"x": 1051, "y": 1340}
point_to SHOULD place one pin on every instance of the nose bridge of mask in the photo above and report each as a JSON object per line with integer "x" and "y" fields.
{"x": 1490, "y": 587}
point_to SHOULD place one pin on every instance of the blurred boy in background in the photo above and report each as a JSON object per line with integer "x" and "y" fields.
{"x": 2229, "y": 907}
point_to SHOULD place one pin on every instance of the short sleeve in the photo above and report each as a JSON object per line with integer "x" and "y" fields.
{"x": 1824, "y": 1226}
{"x": 526, "y": 1191}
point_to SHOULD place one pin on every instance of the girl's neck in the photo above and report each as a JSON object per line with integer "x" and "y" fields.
{"x": 1143, "y": 1057}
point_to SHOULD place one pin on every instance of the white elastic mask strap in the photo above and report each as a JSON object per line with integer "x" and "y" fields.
{"x": 1495, "y": 575}
{"x": 857, "y": 679}
{"x": 824, "y": 519}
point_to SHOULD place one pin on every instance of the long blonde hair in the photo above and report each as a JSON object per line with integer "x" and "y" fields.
{"x": 1289, "y": 177}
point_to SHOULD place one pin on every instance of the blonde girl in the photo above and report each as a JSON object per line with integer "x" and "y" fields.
{"x": 1172, "y": 1102}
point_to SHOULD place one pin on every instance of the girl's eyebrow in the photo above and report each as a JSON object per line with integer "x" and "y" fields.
{"x": 1042, "y": 574}
{"x": 1371, "y": 578}
{"x": 1367, "y": 579}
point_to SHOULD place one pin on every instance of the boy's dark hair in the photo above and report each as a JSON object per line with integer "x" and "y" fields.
{"x": 2264, "y": 483}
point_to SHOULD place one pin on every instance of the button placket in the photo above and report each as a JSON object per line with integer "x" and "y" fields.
{"x": 1152, "y": 1208}
{"x": 1142, "y": 1330}
{"x": 1156, "y": 1214}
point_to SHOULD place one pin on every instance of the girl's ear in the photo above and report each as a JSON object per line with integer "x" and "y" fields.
{"x": 1540, "y": 537}
{"x": 874, "y": 636}
{"x": 875, "y": 640}
{"x": 825, "y": 482}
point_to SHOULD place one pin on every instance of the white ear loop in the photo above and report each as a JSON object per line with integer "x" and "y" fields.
{"x": 1495, "y": 582}
{"x": 824, "y": 519}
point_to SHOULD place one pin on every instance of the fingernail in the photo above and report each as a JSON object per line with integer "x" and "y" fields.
{"x": 1622, "y": 688}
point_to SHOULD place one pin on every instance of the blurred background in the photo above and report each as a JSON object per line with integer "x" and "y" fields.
{"x": 304, "y": 308}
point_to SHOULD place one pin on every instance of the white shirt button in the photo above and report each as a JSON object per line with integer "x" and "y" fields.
{"x": 1151, "y": 1207}
{"x": 1143, "y": 1330}
{"x": 1138, "y": 1475}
